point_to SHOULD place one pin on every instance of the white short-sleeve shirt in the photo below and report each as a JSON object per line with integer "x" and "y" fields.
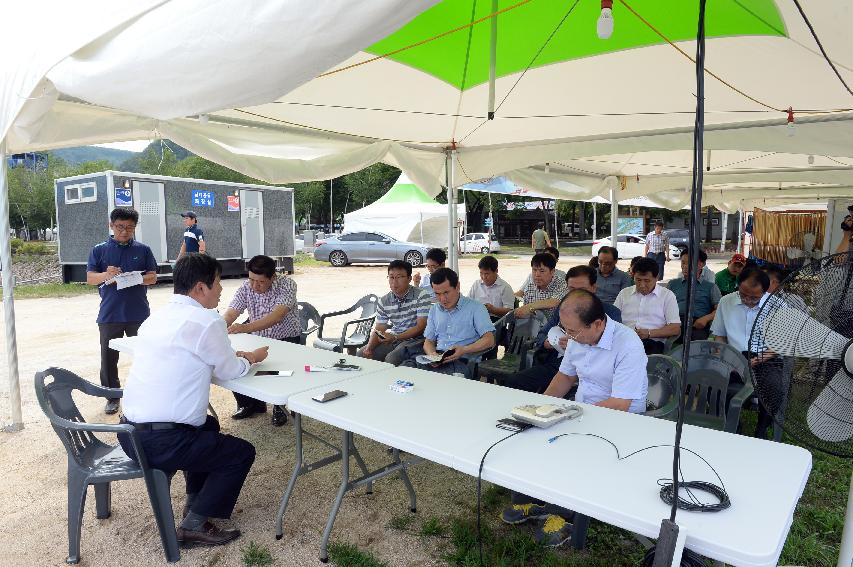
{"x": 652, "y": 311}
{"x": 734, "y": 321}
{"x": 615, "y": 367}
{"x": 499, "y": 294}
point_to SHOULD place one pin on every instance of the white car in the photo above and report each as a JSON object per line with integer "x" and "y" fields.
{"x": 630, "y": 245}
{"x": 479, "y": 242}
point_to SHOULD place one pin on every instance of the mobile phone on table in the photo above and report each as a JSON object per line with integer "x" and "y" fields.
{"x": 274, "y": 373}
{"x": 329, "y": 396}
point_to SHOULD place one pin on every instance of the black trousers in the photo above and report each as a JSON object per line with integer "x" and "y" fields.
{"x": 534, "y": 379}
{"x": 660, "y": 258}
{"x": 653, "y": 347}
{"x": 214, "y": 465}
{"x": 109, "y": 357}
{"x": 244, "y": 401}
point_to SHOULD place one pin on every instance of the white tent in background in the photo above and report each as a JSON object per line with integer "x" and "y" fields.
{"x": 405, "y": 212}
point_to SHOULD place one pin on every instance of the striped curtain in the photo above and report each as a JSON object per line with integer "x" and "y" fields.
{"x": 775, "y": 232}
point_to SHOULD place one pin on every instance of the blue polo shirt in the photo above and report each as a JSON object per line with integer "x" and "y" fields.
{"x": 462, "y": 325}
{"x": 707, "y": 296}
{"x": 192, "y": 236}
{"x": 129, "y": 305}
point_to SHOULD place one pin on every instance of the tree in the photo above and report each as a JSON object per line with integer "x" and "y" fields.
{"x": 309, "y": 199}
{"x": 365, "y": 186}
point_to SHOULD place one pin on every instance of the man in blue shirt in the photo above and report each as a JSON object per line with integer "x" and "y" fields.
{"x": 707, "y": 297}
{"x": 193, "y": 235}
{"x": 122, "y": 311}
{"x": 455, "y": 323}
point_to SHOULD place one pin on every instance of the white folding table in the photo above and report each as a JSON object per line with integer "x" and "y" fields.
{"x": 451, "y": 421}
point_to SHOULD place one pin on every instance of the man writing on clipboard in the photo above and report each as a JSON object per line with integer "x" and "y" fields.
{"x": 122, "y": 311}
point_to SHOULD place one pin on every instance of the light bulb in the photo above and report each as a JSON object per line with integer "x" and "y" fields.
{"x": 811, "y": 159}
{"x": 604, "y": 26}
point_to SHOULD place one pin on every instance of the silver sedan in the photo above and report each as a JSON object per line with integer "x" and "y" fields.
{"x": 367, "y": 247}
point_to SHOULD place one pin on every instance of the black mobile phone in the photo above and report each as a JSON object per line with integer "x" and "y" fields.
{"x": 329, "y": 396}
{"x": 267, "y": 373}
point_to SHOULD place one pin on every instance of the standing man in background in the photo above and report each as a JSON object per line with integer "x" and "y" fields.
{"x": 122, "y": 311}
{"x": 657, "y": 247}
{"x": 193, "y": 235}
{"x": 540, "y": 240}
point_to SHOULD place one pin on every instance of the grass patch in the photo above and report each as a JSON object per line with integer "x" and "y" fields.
{"x": 348, "y": 555}
{"x": 433, "y": 527}
{"x": 255, "y": 555}
{"x": 401, "y": 522}
{"x": 36, "y": 291}
{"x": 307, "y": 260}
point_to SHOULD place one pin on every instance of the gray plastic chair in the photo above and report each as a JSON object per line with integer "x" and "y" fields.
{"x": 90, "y": 461}
{"x": 309, "y": 320}
{"x": 355, "y": 333}
{"x": 664, "y": 374}
{"x": 707, "y": 385}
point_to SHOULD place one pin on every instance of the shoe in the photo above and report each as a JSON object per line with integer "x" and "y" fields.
{"x": 520, "y": 513}
{"x": 279, "y": 416}
{"x": 261, "y": 407}
{"x": 244, "y": 412}
{"x": 111, "y": 407}
{"x": 208, "y": 535}
{"x": 553, "y": 532}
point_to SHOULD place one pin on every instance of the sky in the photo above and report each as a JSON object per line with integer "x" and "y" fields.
{"x": 135, "y": 146}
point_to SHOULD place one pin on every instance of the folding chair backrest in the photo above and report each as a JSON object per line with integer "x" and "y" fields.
{"x": 664, "y": 374}
{"x": 367, "y": 304}
{"x": 713, "y": 356}
{"x": 54, "y": 389}
{"x": 308, "y": 315}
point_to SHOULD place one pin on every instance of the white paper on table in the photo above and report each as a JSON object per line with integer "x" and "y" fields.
{"x": 125, "y": 279}
{"x": 554, "y": 336}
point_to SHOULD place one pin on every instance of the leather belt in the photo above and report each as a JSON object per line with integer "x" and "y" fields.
{"x": 158, "y": 425}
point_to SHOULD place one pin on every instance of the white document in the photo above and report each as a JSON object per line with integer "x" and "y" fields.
{"x": 125, "y": 279}
{"x": 554, "y": 336}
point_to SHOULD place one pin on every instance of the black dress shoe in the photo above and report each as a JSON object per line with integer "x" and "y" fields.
{"x": 261, "y": 407}
{"x": 243, "y": 412}
{"x": 111, "y": 407}
{"x": 279, "y": 416}
{"x": 208, "y": 535}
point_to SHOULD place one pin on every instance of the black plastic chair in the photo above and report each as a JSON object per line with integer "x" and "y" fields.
{"x": 309, "y": 320}
{"x": 90, "y": 461}
{"x": 707, "y": 385}
{"x": 664, "y": 374}
{"x": 355, "y": 333}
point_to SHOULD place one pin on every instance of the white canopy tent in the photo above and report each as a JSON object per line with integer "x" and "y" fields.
{"x": 280, "y": 90}
{"x": 405, "y": 212}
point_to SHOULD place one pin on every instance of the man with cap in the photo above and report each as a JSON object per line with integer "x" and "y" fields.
{"x": 726, "y": 279}
{"x": 193, "y": 235}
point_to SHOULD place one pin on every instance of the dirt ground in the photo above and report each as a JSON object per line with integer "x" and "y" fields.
{"x": 62, "y": 332}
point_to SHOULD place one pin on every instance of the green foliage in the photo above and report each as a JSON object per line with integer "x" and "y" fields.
{"x": 34, "y": 248}
{"x": 401, "y": 522}
{"x": 365, "y": 186}
{"x": 16, "y": 244}
{"x": 348, "y": 555}
{"x": 255, "y": 555}
{"x": 433, "y": 527}
{"x": 38, "y": 291}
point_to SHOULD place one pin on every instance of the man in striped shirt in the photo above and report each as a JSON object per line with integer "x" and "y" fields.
{"x": 657, "y": 247}
{"x": 543, "y": 290}
{"x": 401, "y": 317}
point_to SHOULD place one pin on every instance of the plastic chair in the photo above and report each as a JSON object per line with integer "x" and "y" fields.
{"x": 664, "y": 374}
{"x": 309, "y": 320}
{"x": 90, "y": 461}
{"x": 707, "y": 385}
{"x": 520, "y": 339}
{"x": 355, "y": 333}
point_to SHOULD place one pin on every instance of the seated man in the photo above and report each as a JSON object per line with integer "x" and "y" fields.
{"x": 726, "y": 279}
{"x": 558, "y": 273}
{"x": 547, "y": 356}
{"x": 705, "y": 301}
{"x": 401, "y": 317}
{"x": 606, "y": 361}
{"x": 179, "y": 349}
{"x": 270, "y": 299}
{"x": 543, "y": 290}
{"x": 435, "y": 259}
{"x": 611, "y": 280}
{"x": 648, "y": 308}
{"x": 491, "y": 290}
{"x": 454, "y": 322}
{"x": 733, "y": 325}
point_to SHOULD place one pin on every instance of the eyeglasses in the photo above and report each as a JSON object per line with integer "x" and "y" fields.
{"x": 398, "y": 277}
{"x": 124, "y": 227}
{"x": 572, "y": 337}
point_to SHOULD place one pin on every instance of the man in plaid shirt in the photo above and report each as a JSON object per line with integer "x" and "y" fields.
{"x": 543, "y": 290}
{"x": 401, "y": 317}
{"x": 657, "y": 247}
{"x": 270, "y": 300}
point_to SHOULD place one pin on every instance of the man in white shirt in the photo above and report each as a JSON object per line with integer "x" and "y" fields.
{"x": 435, "y": 259}
{"x": 179, "y": 349}
{"x": 491, "y": 290}
{"x": 648, "y": 308}
{"x": 607, "y": 362}
{"x": 733, "y": 325}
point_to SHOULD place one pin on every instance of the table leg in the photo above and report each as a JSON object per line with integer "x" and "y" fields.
{"x": 297, "y": 470}
{"x": 342, "y": 489}
{"x": 404, "y": 476}
{"x": 579, "y": 529}
{"x": 360, "y": 462}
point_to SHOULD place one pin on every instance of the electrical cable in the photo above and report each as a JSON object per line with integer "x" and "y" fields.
{"x": 820, "y": 46}
{"x": 479, "y": 491}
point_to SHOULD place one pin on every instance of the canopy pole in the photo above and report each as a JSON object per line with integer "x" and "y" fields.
{"x": 594, "y": 222}
{"x": 493, "y": 58}
{"x": 556, "y": 225}
{"x": 740, "y": 231}
{"x": 614, "y": 218}
{"x": 452, "y": 242}
{"x": 725, "y": 227}
{"x": 331, "y": 206}
{"x": 8, "y": 279}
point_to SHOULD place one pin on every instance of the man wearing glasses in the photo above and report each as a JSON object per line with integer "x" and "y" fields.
{"x": 611, "y": 280}
{"x": 401, "y": 317}
{"x": 122, "y": 311}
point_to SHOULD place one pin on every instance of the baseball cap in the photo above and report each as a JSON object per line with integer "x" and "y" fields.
{"x": 188, "y": 214}
{"x": 739, "y": 259}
